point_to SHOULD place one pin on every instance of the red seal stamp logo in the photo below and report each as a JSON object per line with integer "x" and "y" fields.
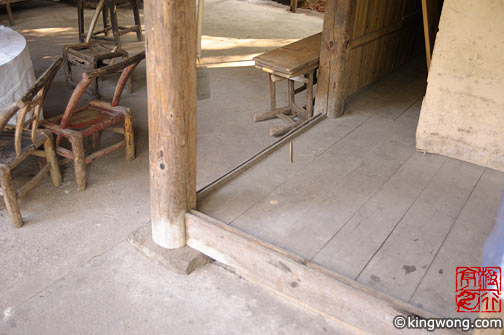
{"x": 478, "y": 289}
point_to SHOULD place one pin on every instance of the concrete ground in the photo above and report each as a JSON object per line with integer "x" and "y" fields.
{"x": 69, "y": 269}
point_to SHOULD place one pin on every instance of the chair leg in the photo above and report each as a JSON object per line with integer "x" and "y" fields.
{"x": 80, "y": 19}
{"x": 10, "y": 198}
{"x": 105, "y": 20}
{"x": 272, "y": 87}
{"x": 95, "y": 89}
{"x": 113, "y": 22}
{"x": 136, "y": 15}
{"x": 52, "y": 160}
{"x": 129, "y": 136}
{"x": 68, "y": 71}
{"x": 9, "y": 12}
{"x": 95, "y": 140}
{"x": 79, "y": 161}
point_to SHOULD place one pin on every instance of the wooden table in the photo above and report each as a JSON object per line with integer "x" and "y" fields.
{"x": 296, "y": 62}
{"x": 16, "y": 68}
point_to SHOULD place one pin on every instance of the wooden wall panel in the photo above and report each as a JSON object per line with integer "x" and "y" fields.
{"x": 386, "y": 34}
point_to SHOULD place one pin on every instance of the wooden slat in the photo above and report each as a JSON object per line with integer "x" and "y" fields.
{"x": 253, "y": 185}
{"x": 104, "y": 151}
{"x": 258, "y": 157}
{"x": 462, "y": 247}
{"x": 378, "y": 217}
{"x": 398, "y": 267}
{"x": 292, "y": 58}
{"x": 376, "y": 34}
{"x": 292, "y": 198}
{"x": 326, "y": 213}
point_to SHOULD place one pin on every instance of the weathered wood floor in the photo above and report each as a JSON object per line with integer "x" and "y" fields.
{"x": 359, "y": 200}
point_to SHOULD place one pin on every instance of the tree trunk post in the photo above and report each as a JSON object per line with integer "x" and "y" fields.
{"x": 170, "y": 30}
{"x": 335, "y": 57}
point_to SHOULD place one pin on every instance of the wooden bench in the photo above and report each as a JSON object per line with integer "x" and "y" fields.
{"x": 299, "y": 62}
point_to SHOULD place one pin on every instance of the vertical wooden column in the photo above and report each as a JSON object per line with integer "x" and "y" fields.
{"x": 335, "y": 56}
{"x": 170, "y": 31}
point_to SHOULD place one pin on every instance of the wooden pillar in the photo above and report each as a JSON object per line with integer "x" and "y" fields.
{"x": 170, "y": 31}
{"x": 335, "y": 56}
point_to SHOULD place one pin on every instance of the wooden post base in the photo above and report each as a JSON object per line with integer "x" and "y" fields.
{"x": 182, "y": 260}
{"x": 293, "y": 114}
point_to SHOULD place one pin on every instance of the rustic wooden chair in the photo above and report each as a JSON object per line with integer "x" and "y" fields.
{"x": 107, "y": 7}
{"x": 89, "y": 56}
{"x": 75, "y": 124}
{"x": 25, "y": 139}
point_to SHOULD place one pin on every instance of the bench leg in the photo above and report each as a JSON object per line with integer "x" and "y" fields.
{"x": 282, "y": 130}
{"x": 271, "y": 114}
{"x": 292, "y": 98}
{"x": 309, "y": 96}
{"x": 272, "y": 89}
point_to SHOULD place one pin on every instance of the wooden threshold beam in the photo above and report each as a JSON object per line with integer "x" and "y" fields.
{"x": 358, "y": 308}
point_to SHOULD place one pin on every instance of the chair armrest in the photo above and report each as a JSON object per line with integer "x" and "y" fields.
{"x": 102, "y": 71}
{"x": 7, "y": 114}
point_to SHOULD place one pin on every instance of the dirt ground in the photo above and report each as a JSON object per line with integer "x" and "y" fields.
{"x": 69, "y": 269}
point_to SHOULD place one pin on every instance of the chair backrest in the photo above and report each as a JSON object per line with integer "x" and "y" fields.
{"x": 126, "y": 67}
{"x": 27, "y": 108}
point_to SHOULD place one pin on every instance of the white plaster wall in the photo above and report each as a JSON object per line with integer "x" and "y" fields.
{"x": 462, "y": 113}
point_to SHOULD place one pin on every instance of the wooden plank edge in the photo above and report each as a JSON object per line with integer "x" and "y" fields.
{"x": 204, "y": 191}
{"x": 376, "y": 35}
{"x": 358, "y": 308}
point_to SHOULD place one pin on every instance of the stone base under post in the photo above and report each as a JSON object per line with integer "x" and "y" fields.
{"x": 182, "y": 260}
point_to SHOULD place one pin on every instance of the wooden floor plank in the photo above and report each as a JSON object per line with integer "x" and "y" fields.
{"x": 391, "y": 96}
{"x": 329, "y": 213}
{"x": 239, "y": 194}
{"x": 272, "y": 217}
{"x": 398, "y": 267}
{"x": 462, "y": 247}
{"x": 378, "y": 217}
